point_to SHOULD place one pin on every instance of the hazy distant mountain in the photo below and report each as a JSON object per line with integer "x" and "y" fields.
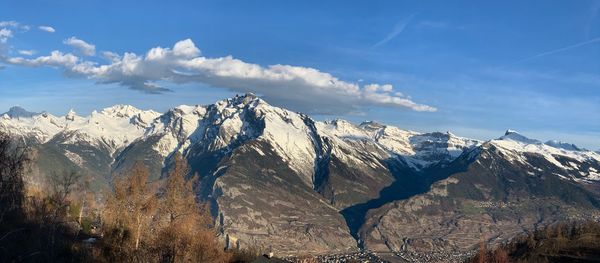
{"x": 18, "y": 112}
{"x": 564, "y": 145}
{"x": 281, "y": 179}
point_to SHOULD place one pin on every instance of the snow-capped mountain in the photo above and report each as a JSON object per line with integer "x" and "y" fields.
{"x": 568, "y": 160}
{"x": 277, "y": 177}
{"x": 113, "y": 127}
{"x": 88, "y": 144}
{"x": 222, "y": 125}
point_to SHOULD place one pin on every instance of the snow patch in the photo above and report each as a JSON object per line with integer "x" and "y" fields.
{"x": 75, "y": 158}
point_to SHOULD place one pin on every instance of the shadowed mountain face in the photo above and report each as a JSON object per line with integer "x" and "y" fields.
{"x": 281, "y": 179}
{"x": 407, "y": 183}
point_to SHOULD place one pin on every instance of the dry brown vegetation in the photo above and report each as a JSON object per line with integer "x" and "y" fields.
{"x": 484, "y": 255}
{"x": 577, "y": 241}
{"x": 141, "y": 225}
{"x": 139, "y": 222}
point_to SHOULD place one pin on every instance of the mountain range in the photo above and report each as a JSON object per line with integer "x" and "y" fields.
{"x": 281, "y": 179}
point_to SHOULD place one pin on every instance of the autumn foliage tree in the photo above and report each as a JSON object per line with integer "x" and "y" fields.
{"x": 185, "y": 226}
{"x": 168, "y": 225}
{"x": 129, "y": 213}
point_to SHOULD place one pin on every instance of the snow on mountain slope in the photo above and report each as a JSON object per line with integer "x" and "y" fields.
{"x": 227, "y": 123}
{"x": 222, "y": 124}
{"x": 512, "y": 135}
{"x": 114, "y": 127}
{"x": 350, "y": 143}
{"x": 291, "y": 138}
{"x": 418, "y": 150}
{"x": 40, "y": 127}
{"x": 569, "y": 160}
{"x": 176, "y": 128}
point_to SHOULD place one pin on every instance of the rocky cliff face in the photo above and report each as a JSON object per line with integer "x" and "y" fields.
{"x": 281, "y": 179}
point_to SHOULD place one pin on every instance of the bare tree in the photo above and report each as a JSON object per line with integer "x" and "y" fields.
{"x": 83, "y": 198}
{"x": 12, "y": 188}
{"x": 62, "y": 185}
{"x": 13, "y": 157}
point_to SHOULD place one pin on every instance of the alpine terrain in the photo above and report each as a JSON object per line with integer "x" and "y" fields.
{"x": 280, "y": 179}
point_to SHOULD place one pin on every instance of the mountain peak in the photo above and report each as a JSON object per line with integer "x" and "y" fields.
{"x": 510, "y": 131}
{"x": 249, "y": 95}
{"x": 19, "y": 112}
{"x": 512, "y": 135}
{"x": 121, "y": 110}
{"x": 71, "y": 115}
{"x": 371, "y": 125}
{"x": 341, "y": 123}
{"x": 239, "y": 101}
{"x": 245, "y": 99}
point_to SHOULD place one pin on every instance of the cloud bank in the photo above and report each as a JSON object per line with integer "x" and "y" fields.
{"x": 298, "y": 88}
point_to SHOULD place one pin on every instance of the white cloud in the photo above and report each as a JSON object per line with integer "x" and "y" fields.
{"x": 5, "y": 34}
{"x": 48, "y": 29}
{"x": 186, "y": 48}
{"x": 15, "y": 24}
{"x": 8, "y": 30}
{"x": 55, "y": 59}
{"x": 81, "y": 46}
{"x": 26, "y": 52}
{"x": 298, "y": 88}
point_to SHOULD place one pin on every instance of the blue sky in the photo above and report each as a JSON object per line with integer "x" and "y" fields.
{"x": 471, "y": 67}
